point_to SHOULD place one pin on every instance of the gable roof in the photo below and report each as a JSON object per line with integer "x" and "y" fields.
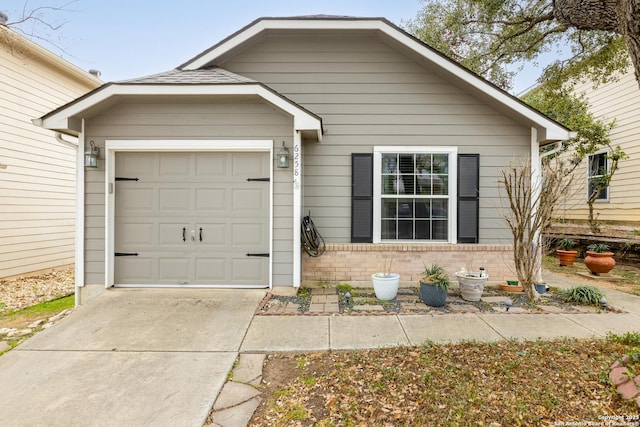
{"x": 202, "y": 75}
{"x": 208, "y": 81}
{"x": 548, "y": 130}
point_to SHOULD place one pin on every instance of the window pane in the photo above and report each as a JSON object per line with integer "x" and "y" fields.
{"x": 440, "y": 185}
{"x": 423, "y": 208}
{"x": 405, "y": 229}
{"x": 389, "y": 184}
{"x": 423, "y": 230}
{"x": 405, "y": 208}
{"x": 389, "y": 163}
{"x": 406, "y": 184}
{"x": 440, "y": 164}
{"x": 388, "y": 230}
{"x": 440, "y": 229}
{"x": 598, "y": 165}
{"x": 389, "y": 208}
{"x": 439, "y": 208}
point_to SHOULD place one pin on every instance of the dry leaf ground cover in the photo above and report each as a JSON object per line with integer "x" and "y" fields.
{"x": 493, "y": 384}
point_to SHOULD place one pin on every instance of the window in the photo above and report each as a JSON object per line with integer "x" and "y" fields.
{"x": 596, "y": 173}
{"x": 414, "y": 194}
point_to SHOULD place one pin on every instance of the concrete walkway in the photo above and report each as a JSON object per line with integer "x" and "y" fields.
{"x": 161, "y": 357}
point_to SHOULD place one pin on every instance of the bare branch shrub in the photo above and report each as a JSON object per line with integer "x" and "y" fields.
{"x": 530, "y": 201}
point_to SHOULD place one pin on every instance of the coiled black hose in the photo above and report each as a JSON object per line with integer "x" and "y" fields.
{"x": 312, "y": 241}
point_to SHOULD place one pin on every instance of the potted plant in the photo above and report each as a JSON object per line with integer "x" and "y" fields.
{"x": 385, "y": 284}
{"x": 566, "y": 254}
{"x": 471, "y": 284}
{"x": 599, "y": 259}
{"x": 434, "y": 286}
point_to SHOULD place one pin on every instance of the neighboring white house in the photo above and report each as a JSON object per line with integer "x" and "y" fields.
{"x": 394, "y": 149}
{"x": 620, "y": 203}
{"x": 37, "y": 172}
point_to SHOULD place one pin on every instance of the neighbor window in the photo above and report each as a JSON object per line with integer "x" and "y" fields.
{"x": 413, "y": 189}
{"x": 597, "y": 171}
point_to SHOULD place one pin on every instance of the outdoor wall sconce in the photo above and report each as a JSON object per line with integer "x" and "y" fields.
{"x": 282, "y": 161}
{"x": 91, "y": 156}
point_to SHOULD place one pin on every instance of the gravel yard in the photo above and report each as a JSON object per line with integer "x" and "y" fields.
{"x": 26, "y": 291}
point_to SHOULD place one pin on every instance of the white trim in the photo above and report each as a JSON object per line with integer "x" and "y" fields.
{"x": 550, "y": 130}
{"x": 452, "y": 196}
{"x": 297, "y": 208}
{"x": 80, "y": 217}
{"x": 114, "y": 146}
{"x": 302, "y": 119}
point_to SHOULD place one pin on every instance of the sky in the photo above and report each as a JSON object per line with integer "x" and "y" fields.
{"x": 124, "y": 39}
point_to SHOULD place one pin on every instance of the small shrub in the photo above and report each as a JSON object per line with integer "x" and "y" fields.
{"x": 344, "y": 287}
{"x": 587, "y": 295}
{"x": 598, "y": 248}
{"x": 566, "y": 244}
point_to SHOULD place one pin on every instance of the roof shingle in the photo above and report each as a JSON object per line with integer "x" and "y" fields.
{"x": 212, "y": 75}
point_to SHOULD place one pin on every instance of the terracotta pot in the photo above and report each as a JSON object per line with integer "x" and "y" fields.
{"x": 599, "y": 262}
{"x": 566, "y": 258}
{"x": 511, "y": 288}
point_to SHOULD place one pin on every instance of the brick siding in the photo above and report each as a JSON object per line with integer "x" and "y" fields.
{"x": 354, "y": 263}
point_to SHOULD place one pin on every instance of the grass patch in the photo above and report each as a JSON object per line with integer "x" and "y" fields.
{"x": 469, "y": 383}
{"x": 19, "y": 319}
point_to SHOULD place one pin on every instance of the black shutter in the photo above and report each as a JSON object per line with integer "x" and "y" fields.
{"x": 361, "y": 197}
{"x": 468, "y": 197}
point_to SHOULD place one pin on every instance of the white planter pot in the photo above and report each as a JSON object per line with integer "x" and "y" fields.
{"x": 471, "y": 287}
{"x": 385, "y": 286}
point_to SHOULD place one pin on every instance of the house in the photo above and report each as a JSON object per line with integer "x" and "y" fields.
{"x": 617, "y": 100}
{"x": 37, "y": 172}
{"x": 394, "y": 152}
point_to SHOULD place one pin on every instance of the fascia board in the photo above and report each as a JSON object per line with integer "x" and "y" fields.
{"x": 303, "y": 120}
{"x": 548, "y": 127}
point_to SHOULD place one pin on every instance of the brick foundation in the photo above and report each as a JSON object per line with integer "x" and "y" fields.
{"x": 354, "y": 263}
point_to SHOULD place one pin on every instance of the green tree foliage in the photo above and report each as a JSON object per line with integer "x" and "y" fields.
{"x": 591, "y": 38}
{"x": 488, "y": 36}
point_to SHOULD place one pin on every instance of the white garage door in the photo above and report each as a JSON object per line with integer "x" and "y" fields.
{"x": 192, "y": 218}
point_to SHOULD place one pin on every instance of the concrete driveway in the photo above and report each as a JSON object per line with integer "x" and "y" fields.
{"x": 150, "y": 357}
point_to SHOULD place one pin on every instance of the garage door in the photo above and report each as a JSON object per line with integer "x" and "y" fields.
{"x": 192, "y": 219}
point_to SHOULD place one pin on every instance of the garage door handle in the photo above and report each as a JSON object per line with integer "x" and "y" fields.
{"x": 184, "y": 234}
{"x": 259, "y": 255}
{"x": 201, "y": 234}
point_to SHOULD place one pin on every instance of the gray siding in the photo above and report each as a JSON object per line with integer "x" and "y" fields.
{"x": 369, "y": 94}
{"x": 190, "y": 120}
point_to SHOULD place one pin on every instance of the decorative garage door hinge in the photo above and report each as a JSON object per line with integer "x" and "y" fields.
{"x": 259, "y": 179}
{"x": 264, "y": 255}
{"x": 119, "y": 178}
{"x": 126, "y": 254}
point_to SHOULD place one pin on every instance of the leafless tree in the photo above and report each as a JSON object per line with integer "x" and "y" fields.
{"x": 530, "y": 200}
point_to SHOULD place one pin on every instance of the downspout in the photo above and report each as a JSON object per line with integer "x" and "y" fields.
{"x": 536, "y": 171}
{"x": 63, "y": 141}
